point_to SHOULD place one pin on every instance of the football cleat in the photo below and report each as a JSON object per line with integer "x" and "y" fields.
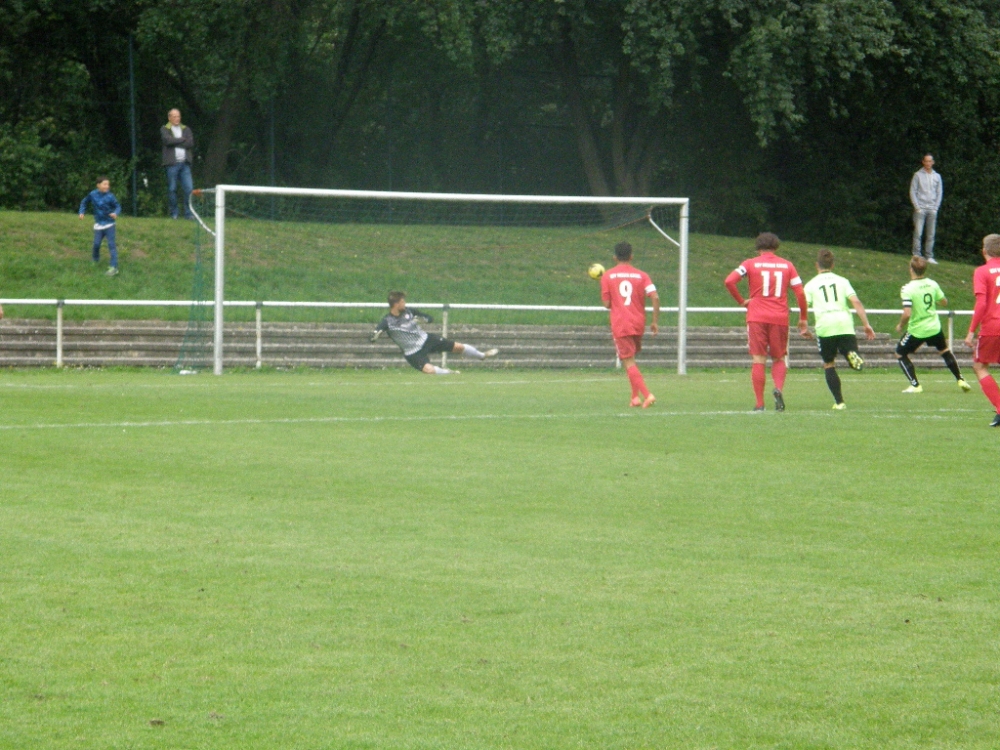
{"x": 759, "y": 408}
{"x": 932, "y": 261}
{"x": 779, "y": 400}
{"x": 636, "y": 401}
{"x": 839, "y": 407}
{"x": 650, "y": 400}
{"x": 964, "y": 386}
{"x": 111, "y": 271}
{"x": 914, "y": 389}
{"x": 855, "y": 361}
{"x": 491, "y": 352}
{"x": 996, "y": 421}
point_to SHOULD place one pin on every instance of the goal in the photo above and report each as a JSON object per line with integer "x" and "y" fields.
{"x": 280, "y": 243}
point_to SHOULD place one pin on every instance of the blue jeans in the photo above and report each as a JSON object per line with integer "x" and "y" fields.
{"x": 924, "y": 223}
{"x": 182, "y": 172}
{"x": 99, "y": 235}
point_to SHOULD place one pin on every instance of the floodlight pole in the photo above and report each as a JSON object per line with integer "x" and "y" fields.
{"x": 131, "y": 105}
{"x": 220, "y": 262}
{"x": 682, "y": 292}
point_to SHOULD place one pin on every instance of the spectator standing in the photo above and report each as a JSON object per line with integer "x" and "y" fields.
{"x": 178, "y": 148}
{"x": 926, "y": 192}
{"x": 106, "y": 209}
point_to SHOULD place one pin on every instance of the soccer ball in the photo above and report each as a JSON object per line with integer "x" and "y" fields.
{"x": 596, "y": 271}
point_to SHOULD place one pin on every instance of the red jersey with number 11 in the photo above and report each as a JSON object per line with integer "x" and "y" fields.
{"x": 626, "y": 287}
{"x": 769, "y": 277}
{"x": 986, "y": 287}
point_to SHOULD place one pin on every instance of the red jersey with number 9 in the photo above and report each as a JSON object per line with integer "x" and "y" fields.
{"x": 986, "y": 287}
{"x": 769, "y": 277}
{"x": 626, "y": 287}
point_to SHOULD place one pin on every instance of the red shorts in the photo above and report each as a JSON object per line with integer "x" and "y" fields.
{"x": 987, "y": 350}
{"x": 768, "y": 338}
{"x": 628, "y": 346}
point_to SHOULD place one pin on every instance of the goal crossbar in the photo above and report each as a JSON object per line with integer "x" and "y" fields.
{"x": 681, "y": 242}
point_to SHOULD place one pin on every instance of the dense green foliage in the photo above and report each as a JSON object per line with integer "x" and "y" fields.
{"x": 494, "y": 560}
{"x": 806, "y": 118}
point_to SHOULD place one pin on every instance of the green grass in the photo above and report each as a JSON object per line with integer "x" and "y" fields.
{"x": 493, "y": 560}
{"x": 48, "y": 255}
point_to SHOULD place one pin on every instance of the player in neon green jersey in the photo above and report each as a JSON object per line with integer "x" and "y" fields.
{"x": 923, "y": 326}
{"x": 831, "y": 298}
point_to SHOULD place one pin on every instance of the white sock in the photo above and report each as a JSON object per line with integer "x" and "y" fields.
{"x": 471, "y": 351}
{"x": 441, "y": 370}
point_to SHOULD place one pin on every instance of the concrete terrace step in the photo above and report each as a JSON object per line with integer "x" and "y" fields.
{"x": 158, "y": 344}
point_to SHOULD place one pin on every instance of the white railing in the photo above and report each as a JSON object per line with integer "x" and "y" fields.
{"x": 445, "y": 307}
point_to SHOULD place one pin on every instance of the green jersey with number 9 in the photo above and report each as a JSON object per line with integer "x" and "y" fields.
{"x": 828, "y": 295}
{"x": 921, "y": 297}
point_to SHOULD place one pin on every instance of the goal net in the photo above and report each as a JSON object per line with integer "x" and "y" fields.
{"x": 301, "y": 252}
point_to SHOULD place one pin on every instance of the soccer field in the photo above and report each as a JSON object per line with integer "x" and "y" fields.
{"x": 495, "y": 560}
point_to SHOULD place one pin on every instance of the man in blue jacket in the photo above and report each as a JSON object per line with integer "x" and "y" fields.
{"x": 106, "y": 209}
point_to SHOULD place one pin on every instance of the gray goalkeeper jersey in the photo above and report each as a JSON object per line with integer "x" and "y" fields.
{"x": 404, "y": 329}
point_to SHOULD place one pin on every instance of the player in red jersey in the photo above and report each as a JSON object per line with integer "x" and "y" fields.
{"x": 767, "y": 314}
{"x": 624, "y": 289}
{"x": 986, "y": 287}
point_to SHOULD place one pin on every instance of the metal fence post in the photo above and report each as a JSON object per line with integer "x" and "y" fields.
{"x": 444, "y": 333}
{"x": 59, "y": 332}
{"x": 260, "y": 335}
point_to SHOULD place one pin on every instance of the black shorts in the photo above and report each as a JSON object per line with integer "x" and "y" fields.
{"x": 909, "y": 343}
{"x": 829, "y": 346}
{"x": 433, "y": 345}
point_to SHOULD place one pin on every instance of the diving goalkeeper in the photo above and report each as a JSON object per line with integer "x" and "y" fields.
{"x": 417, "y": 345}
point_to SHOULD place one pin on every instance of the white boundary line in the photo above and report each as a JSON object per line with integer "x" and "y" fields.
{"x": 880, "y": 414}
{"x": 417, "y": 380}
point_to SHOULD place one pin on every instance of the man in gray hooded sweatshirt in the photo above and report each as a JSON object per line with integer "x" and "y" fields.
{"x": 926, "y": 192}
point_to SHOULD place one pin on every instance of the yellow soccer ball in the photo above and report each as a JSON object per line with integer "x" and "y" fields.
{"x": 596, "y": 271}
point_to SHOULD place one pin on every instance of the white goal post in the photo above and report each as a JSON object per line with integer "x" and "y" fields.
{"x": 683, "y": 204}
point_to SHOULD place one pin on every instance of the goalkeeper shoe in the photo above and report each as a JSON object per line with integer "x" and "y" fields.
{"x": 839, "y": 407}
{"x": 855, "y": 361}
{"x": 996, "y": 421}
{"x": 779, "y": 400}
{"x": 914, "y": 389}
{"x": 964, "y": 386}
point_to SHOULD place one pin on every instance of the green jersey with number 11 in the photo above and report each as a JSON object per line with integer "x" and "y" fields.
{"x": 828, "y": 295}
{"x": 921, "y": 297}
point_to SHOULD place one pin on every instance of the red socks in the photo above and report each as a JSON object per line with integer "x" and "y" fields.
{"x": 757, "y": 377}
{"x": 778, "y": 370}
{"x": 991, "y": 390}
{"x": 638, "y": 384}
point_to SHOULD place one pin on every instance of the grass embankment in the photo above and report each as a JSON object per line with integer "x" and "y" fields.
{"x": 47, "y": 255}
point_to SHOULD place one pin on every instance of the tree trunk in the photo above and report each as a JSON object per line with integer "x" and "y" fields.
{"x": 225, "y": 122}
{"x": 569, "y": 74}
{"x": 636, "y": 141}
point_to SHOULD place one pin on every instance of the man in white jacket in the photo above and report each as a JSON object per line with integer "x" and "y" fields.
{"x": 926, "y": 192}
